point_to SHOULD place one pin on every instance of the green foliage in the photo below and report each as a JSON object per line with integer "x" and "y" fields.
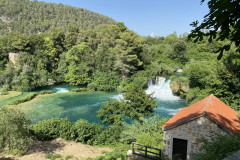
{"x": 45, "y": 92}
{"x": 53, "y": 128}
{"x": 68, "y": 157}
{"x": 105, "y": 81}
{"x": 147, "y": 132}
{"x": 80, "y": 90}
{"x": 112, "y": 155}
{"x": 219, "y": 147}
{"x": 221, "y": 23}
{"x": 14, "y": 132}
{"x": 29, "y": 97}
{"x": 85, "y": 132}
{"x": 33, "y": 17}
{"x": 53, "y": 156}
{"x": 136, "y": 104}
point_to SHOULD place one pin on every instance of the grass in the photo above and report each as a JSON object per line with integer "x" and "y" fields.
{"x": 29, "y": 97}
{"x": 53, "y": 156}
{"x": 10, "y": 94}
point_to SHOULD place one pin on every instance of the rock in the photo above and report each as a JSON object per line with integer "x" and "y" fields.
{"x": 129, "y": 153}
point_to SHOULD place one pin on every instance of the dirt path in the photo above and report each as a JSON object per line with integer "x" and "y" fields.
{"x": 58, "y": 146}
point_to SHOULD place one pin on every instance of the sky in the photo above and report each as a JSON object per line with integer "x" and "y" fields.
{"x": 161, "y": 17}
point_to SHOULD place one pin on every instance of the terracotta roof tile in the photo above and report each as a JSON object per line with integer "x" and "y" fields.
{"x": 211, "y": 107}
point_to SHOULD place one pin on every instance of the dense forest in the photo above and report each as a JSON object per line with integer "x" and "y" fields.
{"x": 34, "y": 17}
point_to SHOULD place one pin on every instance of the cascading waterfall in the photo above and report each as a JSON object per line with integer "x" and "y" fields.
{"x": 160, "y": 87}
{"x": 61, "y": 90}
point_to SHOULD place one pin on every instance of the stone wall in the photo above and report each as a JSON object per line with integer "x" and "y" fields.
{"x": 192, "y": 131}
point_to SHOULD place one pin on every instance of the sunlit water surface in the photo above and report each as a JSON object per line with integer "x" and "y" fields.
{"x": 85, "y": 105}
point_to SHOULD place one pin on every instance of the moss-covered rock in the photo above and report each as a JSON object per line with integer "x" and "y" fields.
{"x": 180, "y": 86}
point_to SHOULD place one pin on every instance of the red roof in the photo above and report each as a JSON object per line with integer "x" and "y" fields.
{"x": 211, "y": 107}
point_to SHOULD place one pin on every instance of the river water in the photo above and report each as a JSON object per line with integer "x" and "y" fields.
{"x": 85, "y": 105}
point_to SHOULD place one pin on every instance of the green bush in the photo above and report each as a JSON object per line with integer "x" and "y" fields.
{"x": 85, "y": 132}
{"x": 28, "y": 97}
{"x": 53, "y": 156}
{"x": 14, "y": 132}
{"x": 3, "y": 92}
{"x": 53, "y": 128}
{"x": 80, "y": 90}
{"x": 45, "y": 92}
{"x": 106, "y": 81}
{"x": 112, "y": 155}
{"x": 219, "y": 147}
{"x": 147, "y": 132}
{"x": 92, "y": 86}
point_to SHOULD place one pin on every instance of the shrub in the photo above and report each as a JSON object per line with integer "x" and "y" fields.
{"x": 28, "y": 97}
{"x": 112, "y": 155}
{"x": 80, "y": 90}
{"x": 45, "y": 92}
{"x": 85, "y": 132}
{"x": 92, "y": 86}
{"x": 219, "y": 147}
{"x": 53, "y": 128}
{"x": 14, "y": 132}
{"x": 53, "y": 156}
{"x": 4, "y": 92}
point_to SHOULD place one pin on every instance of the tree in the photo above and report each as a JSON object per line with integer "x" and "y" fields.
{"x": 80, "y": 60}
{"x": 180, "y": 48}
{"x": 222, "y": 22}
{"x": 14, "y": 131}
{"x": 136, "y": 104}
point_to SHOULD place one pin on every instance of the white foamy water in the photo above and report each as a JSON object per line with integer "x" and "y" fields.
{"x": 61, "y": 90}
{"x": 160, "y": 87}
{"x": 118, "y": 97}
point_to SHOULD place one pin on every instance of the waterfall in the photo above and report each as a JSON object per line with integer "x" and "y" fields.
{"x": 160, "y": 87}
{"x": 61, "y": 90}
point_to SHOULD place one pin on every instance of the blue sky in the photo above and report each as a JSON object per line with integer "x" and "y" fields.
{"x": 163, "y": 17}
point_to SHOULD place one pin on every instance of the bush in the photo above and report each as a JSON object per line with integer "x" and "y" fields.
{"x": 92, "y": 86}
{"x": 85, "y": 132}
{"x": 106, "y": 81}
{"x": 53, "y": 156}
{"x": 46, "y": 92}
{"x": 80, "y": 90}
{"x": 53, "y": 128}
{"x": 14, "y": 132}
{"x": 147, "y": 132}
{"x": 28, "y": 97}
{"x": 3, "y": 92}
{"x": 219, "y": 147}
{"x": 112, "y": 155}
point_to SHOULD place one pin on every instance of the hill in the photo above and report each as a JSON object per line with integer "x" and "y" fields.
{"x": 33, "y": 17}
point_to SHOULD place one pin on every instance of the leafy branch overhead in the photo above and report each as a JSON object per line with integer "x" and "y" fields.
{"x": 222, "y": 22}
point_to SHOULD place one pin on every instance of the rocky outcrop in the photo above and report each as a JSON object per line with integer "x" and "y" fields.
{"x": 13, "y": 57}
{"x": 180, "y": 87}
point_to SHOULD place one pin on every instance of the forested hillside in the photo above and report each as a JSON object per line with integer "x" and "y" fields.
{"x": 54, "y": 43}
{"x": 29, "y": 17}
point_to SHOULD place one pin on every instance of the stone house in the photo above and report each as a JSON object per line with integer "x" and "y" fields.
{"x": 183, "y": 132}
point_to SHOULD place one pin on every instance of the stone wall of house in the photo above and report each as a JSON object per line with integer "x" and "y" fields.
{"x": 193, "y": 131}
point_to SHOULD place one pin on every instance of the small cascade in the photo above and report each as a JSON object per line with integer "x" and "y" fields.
{"x": 160, "y": 87}
{"x": 61, "y": 90}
